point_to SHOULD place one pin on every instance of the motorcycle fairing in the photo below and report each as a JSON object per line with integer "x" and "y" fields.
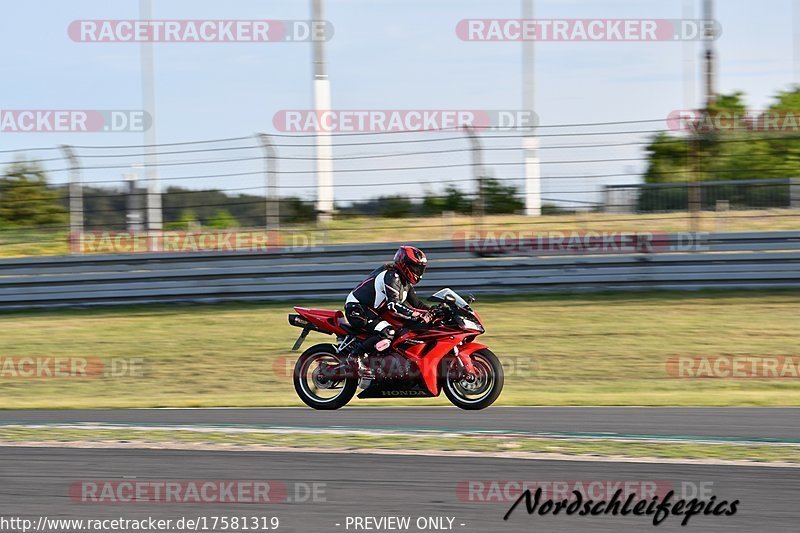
{"x": 321, "y": 320}
{"x": 426, "y": 348}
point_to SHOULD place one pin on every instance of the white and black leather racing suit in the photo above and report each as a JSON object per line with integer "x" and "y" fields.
{"x": 384, "y": 292}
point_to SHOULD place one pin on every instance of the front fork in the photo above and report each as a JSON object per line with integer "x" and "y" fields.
{"x": 463, "y": 363}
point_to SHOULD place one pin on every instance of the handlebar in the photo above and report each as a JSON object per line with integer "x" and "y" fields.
{"x": 440, "y": 312}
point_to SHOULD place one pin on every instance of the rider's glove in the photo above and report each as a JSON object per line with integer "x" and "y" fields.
{"x": 424, "y": 317}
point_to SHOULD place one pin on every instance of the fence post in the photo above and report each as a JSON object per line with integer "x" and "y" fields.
{"x": 794, "y": 193}
{"x": 272, "y": 206}
{"x": 134, "y": 218}
{"x": 75, "y": 199}
{"x": 694, "y": 194}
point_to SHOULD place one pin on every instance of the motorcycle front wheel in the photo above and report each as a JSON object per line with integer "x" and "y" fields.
{"x": 316, "y": 387}
{"x": 483, "y": 390}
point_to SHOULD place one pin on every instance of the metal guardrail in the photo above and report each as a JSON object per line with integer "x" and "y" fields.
{"x": 724, "y": 260}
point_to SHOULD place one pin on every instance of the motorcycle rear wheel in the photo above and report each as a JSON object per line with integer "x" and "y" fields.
{"x": 310, "y": 383}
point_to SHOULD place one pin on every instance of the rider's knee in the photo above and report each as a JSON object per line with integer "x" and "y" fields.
{"x": 384, "y": 329}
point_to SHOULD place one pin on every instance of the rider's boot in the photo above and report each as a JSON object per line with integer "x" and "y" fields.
{"x": 361, "y": 355}
{"x": 361, "y": 358}
{"x": 364, "y": 349}
{"x": 366, "y": 373}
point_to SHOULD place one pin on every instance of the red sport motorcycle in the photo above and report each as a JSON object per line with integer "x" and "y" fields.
{"x": 422, "y": 360}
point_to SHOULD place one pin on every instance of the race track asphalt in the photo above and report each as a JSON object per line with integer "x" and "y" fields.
{"x": 727, "y": 422}
{"x": 36, "y": 482}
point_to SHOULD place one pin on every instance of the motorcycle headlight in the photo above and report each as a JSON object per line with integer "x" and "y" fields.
{"x": 466, "y": 323}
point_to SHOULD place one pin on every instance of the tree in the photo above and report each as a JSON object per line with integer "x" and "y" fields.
{"x": 453, "y": 200}
{"x": 501, "y": 199}
{"x": 186, "y": 221}
{"x": 395, "y": 206}
{"x": 222, "y": 219}
{"x": 729, "y": 153}
{"x": 26, "y": 200}
{"x": 718, "y": 148}
{"x": 296, "y": 210}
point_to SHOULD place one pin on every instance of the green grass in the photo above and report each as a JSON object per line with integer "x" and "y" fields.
{"x": 18, "y": 243}
{"x": 598, "y": 447}
{"x": 23, "y": 243}
{"x": 564, "y": 350}
{"x": 362, "y": 229}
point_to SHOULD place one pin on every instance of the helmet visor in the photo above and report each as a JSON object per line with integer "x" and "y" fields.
{"x": 418, "y": 269}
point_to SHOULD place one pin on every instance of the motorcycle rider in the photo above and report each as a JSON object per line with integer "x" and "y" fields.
{"x": 387, "y": 292}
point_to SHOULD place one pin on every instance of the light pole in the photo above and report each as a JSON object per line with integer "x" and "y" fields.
{"x": 533, "y": 186}
{"x": 710, "y": 56}
{"x": 796, "y": 40}
{"x": 322, "y": 103}
{"x": 689, "y": 63}
{"x": 154, "y": 217}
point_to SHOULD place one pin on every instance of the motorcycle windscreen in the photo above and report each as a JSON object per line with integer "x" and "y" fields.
{"x": 445, "y": 295}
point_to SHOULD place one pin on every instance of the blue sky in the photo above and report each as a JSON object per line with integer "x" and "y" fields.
{"x": 384, "y": 55}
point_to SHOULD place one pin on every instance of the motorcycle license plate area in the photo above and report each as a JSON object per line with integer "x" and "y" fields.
{"x": 300, "y": 339}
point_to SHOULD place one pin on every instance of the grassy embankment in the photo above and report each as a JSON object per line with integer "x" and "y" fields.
{"x": 557, "y": 350}
{"x": 18, "y": 243}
